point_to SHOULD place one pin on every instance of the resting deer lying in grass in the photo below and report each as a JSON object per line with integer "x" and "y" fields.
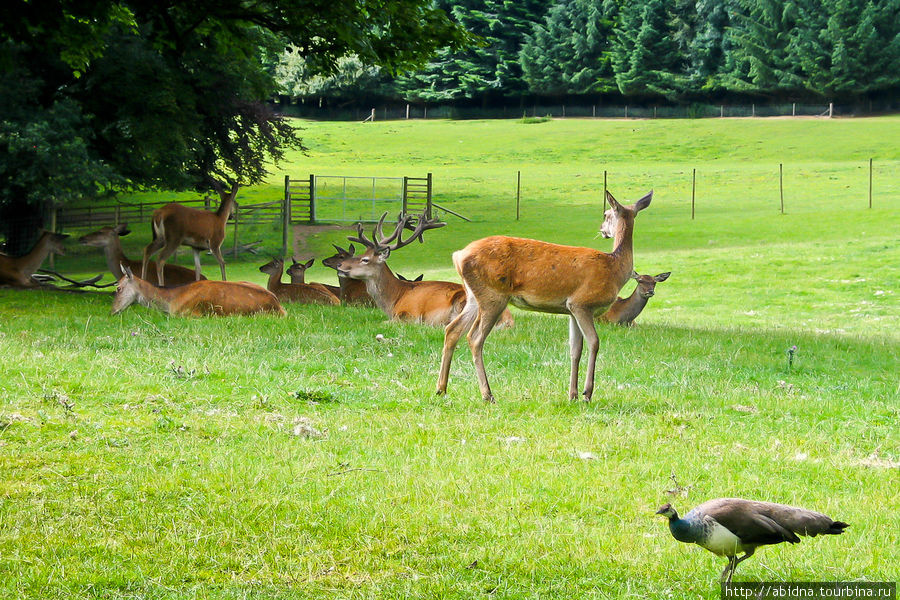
{"x": 17, "y": 270}
{"x": 108, "y": 239}
{"x": 543, "y": 277}
{"x": 351, "y": 291}
{"x": 295, "y": 292}
{"x": 297, "y": 273}
{"x": 198, "y": 298}
{"x": 175, "y": 224}
{"x": 625, "y": 310}
{"x": 430, "y": 302}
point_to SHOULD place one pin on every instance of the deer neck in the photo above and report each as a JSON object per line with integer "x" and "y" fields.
{"x": 155, "y": 297}
{"x": 32, "y": 261}
{"x": 385, "y": 289}
{"x": 274, "y": 280}
{"x": 225, "y": 208}
{"x": 115, "y": 256}
{"x": 623, "y": 252}
{"x": 630, "y": 307}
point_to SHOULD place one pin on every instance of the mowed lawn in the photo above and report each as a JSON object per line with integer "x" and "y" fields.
{"x": 143, "y": 456}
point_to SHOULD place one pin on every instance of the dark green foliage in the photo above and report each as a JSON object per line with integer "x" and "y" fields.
{"x": 645, "y": 55}
{"x": 490, "y": 68}
{"x": 568, "y": 53}
{"x": 139, "y": 94}
{"x": 649, "y": 50}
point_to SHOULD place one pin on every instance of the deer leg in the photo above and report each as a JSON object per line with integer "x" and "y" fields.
{"x": 217, "y": 252}
{"x": 164, "y": 254}
{"x": 585, "y": 319}
{"x": 149, "y": 251}
{"x": 489, "y": 310}
{"x": 454, "y": 330}
{"x": 575, "y": 347}
{"x": 196, "y": 264}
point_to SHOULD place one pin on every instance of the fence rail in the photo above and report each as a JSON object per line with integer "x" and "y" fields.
{"x": 314, "y": 199}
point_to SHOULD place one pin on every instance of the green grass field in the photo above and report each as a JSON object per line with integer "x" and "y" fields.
{"x": 143, "y": 456}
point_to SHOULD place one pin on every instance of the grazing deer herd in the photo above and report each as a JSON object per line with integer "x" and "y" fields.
{"x": 496, "y": 271}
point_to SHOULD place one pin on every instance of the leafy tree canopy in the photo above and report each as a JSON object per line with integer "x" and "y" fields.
{"x": 171, "y": 94}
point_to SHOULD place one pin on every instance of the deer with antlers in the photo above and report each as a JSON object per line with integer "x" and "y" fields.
{"x": 351, "y": 291}
{"x": 430, "y": 302}
{"x": 542, "y": 277}
{"x": 198, "y": 298}
{"x": 625, "y": 310}
{"x": 175, "y": 224}
{"x": 17, "y": 270}
{"x": 295, "y": 292}
{"x": 108, "y": 239}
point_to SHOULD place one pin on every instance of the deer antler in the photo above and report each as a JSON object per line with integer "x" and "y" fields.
{"x": 388, "y": 243}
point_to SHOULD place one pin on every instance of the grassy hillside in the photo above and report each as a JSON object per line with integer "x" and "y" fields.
{"x": 143, "y": 456}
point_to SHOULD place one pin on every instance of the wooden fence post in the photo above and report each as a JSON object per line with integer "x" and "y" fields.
{"x": 518, "y": 191}
{"x": 286, "y": 215}
{"x": 781, "y": 184}
{"x": 428, "y": 199}
{"x": 312, "y": 198}
{"x": 51, "y": 258}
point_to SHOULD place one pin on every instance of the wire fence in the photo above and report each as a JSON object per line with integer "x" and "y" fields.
{"x": 401, "y": 111}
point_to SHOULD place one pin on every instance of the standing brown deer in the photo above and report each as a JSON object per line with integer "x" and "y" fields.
{"x": 543, "y": 277}
{"x": 295, "y": 292}
{"x": 17, "y": 270}
{"x": 297, "y": 273}
{"x": 175, "y": 224}
{"x": 198, "y": 298}
{"x": 108, "y": 239}
{"x": 625, "y": 310}
{"x": 351, "y": 291}
{"x": 430, "y": 302}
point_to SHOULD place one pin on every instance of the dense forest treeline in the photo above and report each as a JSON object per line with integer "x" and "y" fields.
{"x": 672, "y": 51}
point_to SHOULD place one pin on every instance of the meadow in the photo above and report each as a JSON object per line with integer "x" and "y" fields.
{"x": 144, "y": 456}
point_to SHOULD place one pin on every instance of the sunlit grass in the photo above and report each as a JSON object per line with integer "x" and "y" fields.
{"x": 143, "y": 456}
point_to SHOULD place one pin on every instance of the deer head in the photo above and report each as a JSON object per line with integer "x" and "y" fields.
{"x": 104, "y": 236}
{"x": 379, "y": 248}
{"x": 618, "y": 216}
{"x": 646, "y": 284}
{"x": 333, "y": 262}
{"x": 127, "y": 292}
{"x": 274, "y": 266}
{"x": 298, "y": 269}
{"x": 55, "y": 242}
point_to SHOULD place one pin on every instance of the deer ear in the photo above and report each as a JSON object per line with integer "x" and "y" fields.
{"x": 383, "y": 254}
{"x": 612, "y": 201}
{"x": 662, "y": 276}
{"x": 643, "y": 202}
{"x": 127, "y": 270}
{"x": 351, "y": 250}
{"x": 309, "y": 263}
{"x": 634, "y": 274}
{"x": 121, "y": 229}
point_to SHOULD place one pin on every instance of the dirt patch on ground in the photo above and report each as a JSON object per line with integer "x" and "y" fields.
{"x": 301, "y": 250}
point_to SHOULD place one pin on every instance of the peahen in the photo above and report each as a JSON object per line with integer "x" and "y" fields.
{"x": 730, "y": 526}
